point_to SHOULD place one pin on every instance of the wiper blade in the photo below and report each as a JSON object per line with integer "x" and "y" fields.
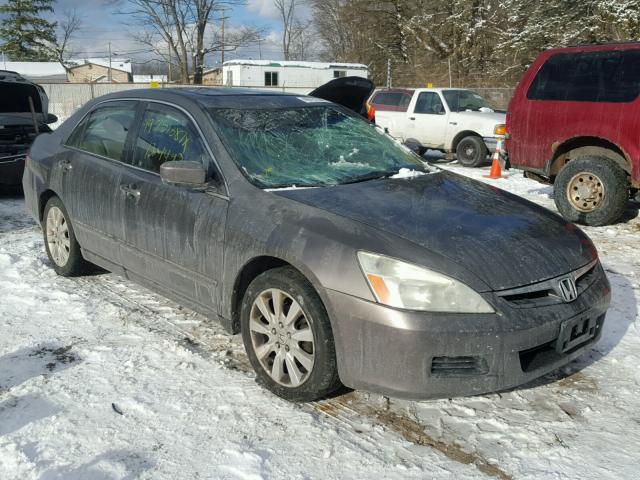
{"x": 369, "y": 176}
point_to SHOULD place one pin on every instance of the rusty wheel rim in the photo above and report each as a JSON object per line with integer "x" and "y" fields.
{"x": 585, "y": 192}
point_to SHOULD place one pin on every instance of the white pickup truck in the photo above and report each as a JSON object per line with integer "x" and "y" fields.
{"x": 446, "y": 119}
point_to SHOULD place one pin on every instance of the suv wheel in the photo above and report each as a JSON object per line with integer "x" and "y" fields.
{"x": 471, "y": 151}
{"x": 60, "y": 240}
{"x": 591, "y": 191}
{"x": 287, "y": 336}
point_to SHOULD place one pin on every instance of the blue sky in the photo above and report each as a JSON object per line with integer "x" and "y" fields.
{"x": 102, "y": 24}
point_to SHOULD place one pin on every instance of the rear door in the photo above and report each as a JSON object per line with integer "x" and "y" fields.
{"x": 91, "y": 168}
{"x": 428, "y": 122}
{"x": 174, "y": 235}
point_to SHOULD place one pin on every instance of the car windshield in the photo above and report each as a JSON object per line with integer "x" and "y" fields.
{"x": 461, "y": 100}
{"x": 309, "y": 146}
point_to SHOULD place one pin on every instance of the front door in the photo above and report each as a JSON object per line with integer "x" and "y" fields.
{"x": 91, "y": 168}
{"x": 428, "y": 122}
{"x": 173, "y": 235}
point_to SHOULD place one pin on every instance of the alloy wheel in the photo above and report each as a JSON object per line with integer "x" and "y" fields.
{"x": 282, "y": 337}
{"x": 57, "y": 232}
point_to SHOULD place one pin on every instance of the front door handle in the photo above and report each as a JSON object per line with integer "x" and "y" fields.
{"x": 412, "y": 118}
{"x": 131, "y": 191}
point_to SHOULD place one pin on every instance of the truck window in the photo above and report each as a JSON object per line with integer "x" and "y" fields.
{"x": 612, "y": 76}
{"x": 392, "y": 99}
{"x": 429, "y": 102}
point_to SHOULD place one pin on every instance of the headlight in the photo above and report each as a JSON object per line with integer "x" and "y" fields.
{"x": 403, "y": 285}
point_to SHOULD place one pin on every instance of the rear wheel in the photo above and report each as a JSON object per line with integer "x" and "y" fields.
{"x": 60, "y": 240}
{"x": 591, "y": 191}
{"x": 287, "y": 336}
{"x": 471, "y": 151}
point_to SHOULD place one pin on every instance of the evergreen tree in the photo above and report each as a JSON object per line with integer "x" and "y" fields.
{"x": 24, "y": 34}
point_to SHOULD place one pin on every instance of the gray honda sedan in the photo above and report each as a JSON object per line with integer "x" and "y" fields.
{"x": 337, "y": 254}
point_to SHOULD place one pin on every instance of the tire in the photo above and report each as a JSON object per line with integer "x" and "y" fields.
{"x": 67, "y": 261}
{"x": 471, "y": 151}
{"x": 267, "y": 343}
{"x": 602, "y": 200}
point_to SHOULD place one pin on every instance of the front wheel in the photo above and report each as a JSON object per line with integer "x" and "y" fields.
{"x": 287, "y": 336}
{"x": 591, "y": 191}
{"x": 60, "y": 241}
{"x": 471, "y": 151}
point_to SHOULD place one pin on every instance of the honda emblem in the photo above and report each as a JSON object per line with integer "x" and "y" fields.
{"x": 568, "y": 290}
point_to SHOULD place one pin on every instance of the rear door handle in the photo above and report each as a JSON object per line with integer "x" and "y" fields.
{"x": 66, "y": 165}
{"x": 131, "y": 191}
{"x": 412, "y": 118}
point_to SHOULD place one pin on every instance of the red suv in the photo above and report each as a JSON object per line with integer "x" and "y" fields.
{"x": 574, "y": 121}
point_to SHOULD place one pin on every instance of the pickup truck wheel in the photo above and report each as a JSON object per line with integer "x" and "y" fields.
{"x": 591, "y": 191}
{"x": 471, "y": 151}
{"x": 288, "y": 338}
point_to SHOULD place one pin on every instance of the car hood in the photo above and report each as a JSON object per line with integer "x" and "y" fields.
{"x": 504, "y": 240}
{"x": 497, "y": 117}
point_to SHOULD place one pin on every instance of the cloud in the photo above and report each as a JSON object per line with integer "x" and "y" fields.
{"x": 264, "y": 8}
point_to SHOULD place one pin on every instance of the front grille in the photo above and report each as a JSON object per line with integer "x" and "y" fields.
{"x": 548, "y": 292}
{"x": 458, "y": 366}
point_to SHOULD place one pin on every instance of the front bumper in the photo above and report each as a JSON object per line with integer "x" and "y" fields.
{"x": 423, "y": 355}
{"x": 491, "y": 143}
{"x": 11, "y": 169}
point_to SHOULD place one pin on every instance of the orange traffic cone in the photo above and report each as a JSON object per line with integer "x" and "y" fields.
{"x": 496, "y": 168}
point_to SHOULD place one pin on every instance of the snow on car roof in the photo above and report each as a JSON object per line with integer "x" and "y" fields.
{"x": 285, "y": 64}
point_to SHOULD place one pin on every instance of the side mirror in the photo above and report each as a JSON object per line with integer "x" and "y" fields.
{"x": 184, "y": 174}
{"x": 51, "y": 118}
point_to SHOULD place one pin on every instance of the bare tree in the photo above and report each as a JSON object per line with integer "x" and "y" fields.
{"x": 67, "y": 28}
{"x": 183, "y": 31}
{"x": 287, "y": 11}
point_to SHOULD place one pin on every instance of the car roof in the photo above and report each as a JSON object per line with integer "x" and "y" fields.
{"x": 596, "y": 47}
{"x": 219, "y": 97}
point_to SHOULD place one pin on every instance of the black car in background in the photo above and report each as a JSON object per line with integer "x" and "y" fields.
{"x": 19, "y": 123}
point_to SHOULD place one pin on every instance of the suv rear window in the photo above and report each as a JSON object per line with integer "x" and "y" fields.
{"x": 392, "y": 99}
{"x": 612, "y": 76}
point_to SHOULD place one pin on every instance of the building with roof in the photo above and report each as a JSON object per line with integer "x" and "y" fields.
{"x": 277, "y": 74}
{"x": 100, "y": 70}
{"x": 39, "y": 72}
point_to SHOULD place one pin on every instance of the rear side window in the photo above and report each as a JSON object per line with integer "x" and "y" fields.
{"x": 104, "y": 131}
{"x": 612, "y": 76}
{"x": 429, "y": 102}
{"x": 166, "y": 135}
{"x": 392, "y": 99}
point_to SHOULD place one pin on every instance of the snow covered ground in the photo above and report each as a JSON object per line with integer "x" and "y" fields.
{"x": 101, "y": 379}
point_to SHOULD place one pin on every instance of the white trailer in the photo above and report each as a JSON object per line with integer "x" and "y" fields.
{"x": 277, "y": 74}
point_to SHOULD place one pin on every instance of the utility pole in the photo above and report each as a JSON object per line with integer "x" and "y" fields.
{"x": 449, "y": 60}
{"x": 109, "y": 76}
{"x": 259, "y": 47}
{"x": 222, "y": 34}
{"x": 389, "y": 82}
{"x": 169, "y": 73}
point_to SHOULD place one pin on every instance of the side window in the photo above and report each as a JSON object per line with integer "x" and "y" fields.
{"x": 339, "y": 73}
{"x": 429, "y": 102}
{"x": 166, "y": 135}
{"x": 270, "y": 79}
{"x": 104, "y": 131}
{"x": 612, "y": 76}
